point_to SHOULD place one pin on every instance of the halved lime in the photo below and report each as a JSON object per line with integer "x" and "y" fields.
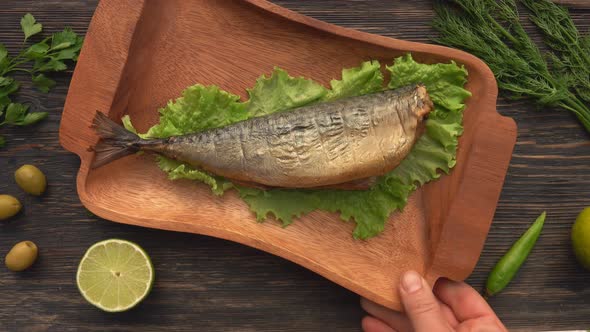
{"x": 115, "y": 275}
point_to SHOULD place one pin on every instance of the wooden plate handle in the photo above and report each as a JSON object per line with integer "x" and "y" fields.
{"x": 470, "y": 211}
{"x": 104, "y": 60}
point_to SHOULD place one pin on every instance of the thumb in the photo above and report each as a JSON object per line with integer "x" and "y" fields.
{"x": 420, "y": 305}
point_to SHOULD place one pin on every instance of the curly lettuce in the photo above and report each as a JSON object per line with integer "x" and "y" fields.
{"x": 202, "y": 107}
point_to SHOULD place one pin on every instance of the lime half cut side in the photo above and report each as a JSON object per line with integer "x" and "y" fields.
{"x": 115, "y": 275}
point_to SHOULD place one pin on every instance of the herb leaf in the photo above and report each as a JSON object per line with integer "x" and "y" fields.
{"x": 64, "y": 39}
{"x": 37, "y": 51}
{"x": 15, "y": 113}
{"x": 491, "y": 30}
{"x": 43, "y": 83}
{"x": 7, "y": 86}
{"x": 4, "y": 62}
{"x": 67, "y": 54}
{"x": 4, "y": 81}
{"x": 4, "y": 101}
{"x": 48, "y": 55}
{"x": 51, "y": 64}
{"x": 32, "y": 118}
{"x": 571, "y": 57}
{"x": 29, "y": 26}
{"x": 2, "y": 141}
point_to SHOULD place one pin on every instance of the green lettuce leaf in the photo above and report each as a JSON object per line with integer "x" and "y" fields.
{"x": 281, "y": 92}
{"x": 357, "y": 81}
{"x": 203, "y": 107}
{"x": 199, "y": 108}
{"x": 444, "y": 81}
{"x": 126, "y": 119}
{"x": 177, "y": 170}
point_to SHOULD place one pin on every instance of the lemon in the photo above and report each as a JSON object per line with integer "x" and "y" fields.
{"x": 115, "y": 275}
{"x": 581, "y": 238}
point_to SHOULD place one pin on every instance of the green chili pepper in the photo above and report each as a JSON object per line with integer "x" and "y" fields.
{"x": 508, "y": 265}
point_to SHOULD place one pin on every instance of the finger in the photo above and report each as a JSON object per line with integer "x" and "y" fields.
{"x": 463, "y": 300}
{"x": 448, "y": 314}
{"x": 421, "y": 306}
{"x": 485, "y": 324}
{"x": 372, "y": 324}
{"x": 396, "y": 320}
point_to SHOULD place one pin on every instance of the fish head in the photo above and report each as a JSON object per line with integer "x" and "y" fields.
{"x": 424, "y": 104}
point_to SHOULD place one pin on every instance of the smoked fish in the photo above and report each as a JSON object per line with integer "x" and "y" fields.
{"x": 319, "y": 145}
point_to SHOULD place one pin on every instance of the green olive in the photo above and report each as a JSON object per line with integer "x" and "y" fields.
{"x": 9, "y": 206}
{"x": 21, "y": 256}
{"x": 31, "y": 179}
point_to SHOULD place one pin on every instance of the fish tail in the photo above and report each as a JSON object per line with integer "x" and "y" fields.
{"x": 115, "y": 141}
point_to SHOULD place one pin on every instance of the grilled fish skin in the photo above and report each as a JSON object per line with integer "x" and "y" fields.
{"x": 312, "y": 146}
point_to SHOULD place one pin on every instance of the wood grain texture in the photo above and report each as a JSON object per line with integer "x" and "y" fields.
{"x": 215, "y": 285}
{"x": 574, "y": 3}
{"x": 125, "y": 68}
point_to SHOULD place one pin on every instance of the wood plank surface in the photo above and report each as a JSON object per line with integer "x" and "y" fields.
{"x": 574, "y": 3}
{"x": 206, "y": 284}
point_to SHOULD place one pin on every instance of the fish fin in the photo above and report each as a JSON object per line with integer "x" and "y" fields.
{"x": 115, "y": 141}
{"x": 251, "y": 184}
{"x": 360, "y": 184}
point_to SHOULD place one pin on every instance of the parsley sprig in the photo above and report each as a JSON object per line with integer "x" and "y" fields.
{"x": 48, "y": 55}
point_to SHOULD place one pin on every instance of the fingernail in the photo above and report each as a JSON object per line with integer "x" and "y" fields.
{"x": 411, "y": 282}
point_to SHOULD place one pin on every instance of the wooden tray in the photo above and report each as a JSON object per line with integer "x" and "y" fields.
{"x": 139, "y": 54}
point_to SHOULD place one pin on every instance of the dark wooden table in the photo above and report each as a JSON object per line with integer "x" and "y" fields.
{"x": 207, "y": 284}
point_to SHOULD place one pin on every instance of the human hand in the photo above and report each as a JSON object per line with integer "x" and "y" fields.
{"x": 454, "y": 306}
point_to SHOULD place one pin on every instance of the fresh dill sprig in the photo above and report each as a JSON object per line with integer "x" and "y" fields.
{"x": 491, "y": 30}
{"x": 571, "y": 56}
